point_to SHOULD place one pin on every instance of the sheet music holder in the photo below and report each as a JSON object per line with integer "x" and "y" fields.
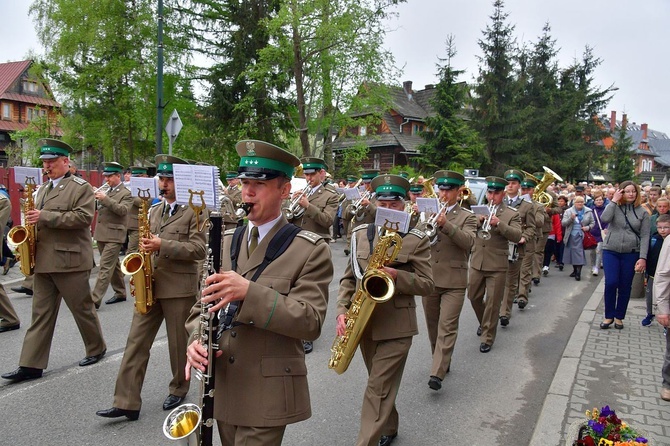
{"x": 21, "y": 173}
{"x": 392, "y": 219}
{"x": 150, "y": 184}
{"x": 427, "y": 205}
{"x": 197, "y": 178}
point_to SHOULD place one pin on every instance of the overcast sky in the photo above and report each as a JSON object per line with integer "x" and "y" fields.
{"x": 631, "y": 38}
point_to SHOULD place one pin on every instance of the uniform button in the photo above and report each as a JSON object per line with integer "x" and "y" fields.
{"x": 251, "y": 322}
{"x": 287, "y": 369}
{"x": 231, "y": 359}
{"x": 233, "y": 334}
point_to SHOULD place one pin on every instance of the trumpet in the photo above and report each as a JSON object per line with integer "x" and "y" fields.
{"x": 429, "y": 227}
{"x": 485, "y": 232}
{"x": 356, "y": 205}
{"x": 294, "y": 210}
{"x": 104, "y": 188}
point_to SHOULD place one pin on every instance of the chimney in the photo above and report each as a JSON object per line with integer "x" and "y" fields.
{"x": 430, "y": 86}
{"x": 644, "y": 142}
{"x": 407, "y": 87}
{"x": 613, "y": 121}
{"x": 624, "y": 121}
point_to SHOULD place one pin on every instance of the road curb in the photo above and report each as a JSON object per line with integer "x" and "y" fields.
{"x": 549, "y": 427}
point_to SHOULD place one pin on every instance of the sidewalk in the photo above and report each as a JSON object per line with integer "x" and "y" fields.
{"x": 619, "y": 368}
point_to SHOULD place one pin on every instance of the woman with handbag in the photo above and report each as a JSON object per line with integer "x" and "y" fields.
{"x": 577, "y": 223}
{"x": 624, "y": 250}
{"x": 599, "y": 231}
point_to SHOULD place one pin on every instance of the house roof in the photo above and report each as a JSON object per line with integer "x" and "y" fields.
{"x": 36, "y": 100}
{"x": 9, "y": 73}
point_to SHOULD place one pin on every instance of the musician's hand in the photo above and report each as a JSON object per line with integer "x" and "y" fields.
{"x": 341, "y": 324}
{"x": 494, "y": 220}
{"x": 415, "y": 208}
{"x": 99, "y": 195}
{"x": 441, "y": 220}
{"x": 303, "y": 202}
{"x": 391, "y": 272}
{"x": 224, "y": 287}
{"x": 151, "y": 244}
{"x": 196, "y": 356}
{"x": 522, "y": 241}
{"x": 33, "y": 216}
{"x": 364, "y": 202}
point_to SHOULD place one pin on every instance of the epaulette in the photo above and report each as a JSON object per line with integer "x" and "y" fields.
{"x": 156, "y": 204}
{"x": 514, "y": 209}
{"x": 331, "y": 188}
{"x": 310, "y": 236}
{"x": 358, "y": 228}
{"x": 467, "y": 210}
{"x": 78, "y": 180}
{"x": 229, "y": 232}
{"x": 418, "y": 233}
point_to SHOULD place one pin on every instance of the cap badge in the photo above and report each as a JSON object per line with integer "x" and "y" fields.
{"x": 251, "y": 148}
{"x": 387, "y": 179}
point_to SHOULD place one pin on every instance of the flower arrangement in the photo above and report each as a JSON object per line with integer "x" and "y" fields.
{"x": 604, "y": 428}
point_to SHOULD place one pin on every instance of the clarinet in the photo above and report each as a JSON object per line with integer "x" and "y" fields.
{"x": 208, "y": 328}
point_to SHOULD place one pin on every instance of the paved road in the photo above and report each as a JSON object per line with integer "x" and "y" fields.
{"x": 487, "y": 399}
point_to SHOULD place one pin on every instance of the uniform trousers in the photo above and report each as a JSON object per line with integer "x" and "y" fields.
{"x": 512, "y": 288}
{"x": 250, "y": 436}
{"x": 540, "y": 243}
{"x": 143, "y": 330}
{"x": 7, "y": 312}
{"x": 491, "y": 283}
{"x": 133, "y": 241}
{"x": 49, "y": 289}
{"x": 619, "y": 271}
{"x": 109, "y": 271}
{"x": 385, "y": 361}
{"x": 528, "y": 266}
{"x": 443, "y": 310}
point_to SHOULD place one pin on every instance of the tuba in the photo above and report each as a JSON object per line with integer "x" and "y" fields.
{"x": 429, "y": 188}
{"x": 376, "y": 287}
{"x": 540, "y": 195}
{"x": 139, "y": 265}
{"x": 22, "y": 238}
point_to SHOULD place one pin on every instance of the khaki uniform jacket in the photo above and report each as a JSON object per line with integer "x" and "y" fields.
{"x": 526, "y": 212}
{"x": 364, "y": 215}
{"x": 491, "y": 255}
{"x": 395, "y": 318}
{"x": 320, "y": 213}
{"x": 64, "y": 228}
{"x": 451, "y": 252}
{"x": 133, "y": 213}
{"x": 261, "y": 378}
{"x": 111, "y": 224}
{"x": 182, "y": 252}
{"x": 5, "y": 211}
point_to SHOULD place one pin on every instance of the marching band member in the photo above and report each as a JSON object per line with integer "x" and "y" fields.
{"x": 9, "y": 320}
{"x": 489, "y": 261}
{"x": 456, "y": 234}
{"x": 388, "y": 336}
{"x": 133, "y": 229}
{"x": 234, "y": 193}
{"x": 367, "y": 208}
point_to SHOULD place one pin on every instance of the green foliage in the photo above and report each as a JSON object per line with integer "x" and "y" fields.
{"x": 450, "y": 141}
{"x": 622, "y": 166}
{"x": 351, "y": 161}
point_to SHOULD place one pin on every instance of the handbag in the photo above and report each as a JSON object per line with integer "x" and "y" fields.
{"x": 589, "y": 241}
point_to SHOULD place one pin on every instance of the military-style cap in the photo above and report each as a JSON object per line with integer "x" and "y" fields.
{"x": 311, "y": 164}
{"x": 139, "y": 170}
{"x": 579, "y": 188}
{"x": 352, "y": 178}
{"x": 231, "y": 175}
{"x": 164, "y": 165}
{"x": 112, "y": 168}
{"x": 416, "y": 188}
{"x": 260, "y": 160}
{"x": 369, "y": 174}
{"x": 448, "y": 179}
{"x": 494, "y": 184}
{"x": 390, "y": 187}
{"x": 528, "y": 182}
{"x": 53, "y": 148}
{"x": 403, "y": 174}
{"x": 514, "y": 175}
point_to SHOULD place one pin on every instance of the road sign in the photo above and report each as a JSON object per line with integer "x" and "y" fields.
{"x": 173, "y": 128}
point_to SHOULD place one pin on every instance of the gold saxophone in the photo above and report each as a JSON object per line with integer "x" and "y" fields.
{"x": 376, "y": 287}
{"x": 138, "y": 264}
{"x": 23, "y": 238}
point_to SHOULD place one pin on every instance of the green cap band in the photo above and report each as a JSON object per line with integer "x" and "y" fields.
{"x": 317, "y": 166}
{"x": 352, "y": 179}
{"x": 449, "y": 180}
{"x": 266, "y": 163}
{"x": 138, "y": 171}
{"x": 164, "y": 167}
{"x": 112, "y": 169}
{"x": 51, "y": 150}
{"x": 390, "y": 188}
{"x": 528, "y": 183}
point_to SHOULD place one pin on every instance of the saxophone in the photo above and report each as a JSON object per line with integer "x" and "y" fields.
{"x": 376, "y": 286}
{"x": 23, "y": 238}
{"x": 138, "y": 264}
{"x": 192, "y": 423}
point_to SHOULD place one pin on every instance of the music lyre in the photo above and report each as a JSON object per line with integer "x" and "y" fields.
{"x": 197, "y": 209}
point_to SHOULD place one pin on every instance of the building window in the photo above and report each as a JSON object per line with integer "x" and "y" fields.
{"x": 30, "y": 87}
{"x": 363, "y": 131}
{"x": 31, "y": 114}
{"x": 377, "y": 161}
{"x": 7, "y": 111}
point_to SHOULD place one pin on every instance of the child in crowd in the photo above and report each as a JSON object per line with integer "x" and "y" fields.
{"x": 655, "y": 244}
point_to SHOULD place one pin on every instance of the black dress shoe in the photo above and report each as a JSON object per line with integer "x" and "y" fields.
{"x": 504, "y": 321}
{"x": 560, "y": 267}
{"x": 115, "y": 299}
{"x": 522, "y": 304}
{"x": 346, "y": 251}
{"x": 605, "y": 325}
{"x": 536, "y": 281}
{"x": 435, "y": 383}
{"x": 484, "y": 348}
{"x": 307, "y": 346}
{"x": 386, "y": 440}
{"x": 22, "y": 289}
{"x": 9, "y": 328}
{"x": 89, "y": 360}
{"x": 172, "y": 401}
{"x": 115, "y": 412}
{"x": 479, "y": 330}
{"x": 23, "y": 374}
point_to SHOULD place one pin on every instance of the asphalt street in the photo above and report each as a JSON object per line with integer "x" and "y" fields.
{"x": 486, "y": 399}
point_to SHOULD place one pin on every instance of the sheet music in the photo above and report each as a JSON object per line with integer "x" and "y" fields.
{"x": 21, "y": 173}
{"x": 392, "y": 219}
{"x": 144, "y": 184}
{"x": 197, "y": 178}
{"x": 480, "y": 210}
{"x": 352, "y": 193}
{"x": 427, "y": 205}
